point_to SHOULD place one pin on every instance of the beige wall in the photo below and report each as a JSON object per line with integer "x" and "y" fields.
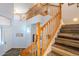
{"x": 70, "y": 12}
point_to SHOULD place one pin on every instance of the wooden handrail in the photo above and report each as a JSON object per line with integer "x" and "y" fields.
{"x": 45, "y": 33}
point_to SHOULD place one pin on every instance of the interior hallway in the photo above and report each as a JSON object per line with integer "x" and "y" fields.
{"x": 17, "y": 33}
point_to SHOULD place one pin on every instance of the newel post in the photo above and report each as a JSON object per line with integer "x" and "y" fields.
{"x": 38, "y": 38}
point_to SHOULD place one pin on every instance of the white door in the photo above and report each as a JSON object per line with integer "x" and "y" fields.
{"x": 0, "y": 36}
{"x": 7, "y": 38}
{"x": 2, "y": 45}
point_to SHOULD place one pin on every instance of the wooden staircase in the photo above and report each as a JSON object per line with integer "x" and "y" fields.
{"x": 67, "y": 42}
{"x": 45, "y": 35}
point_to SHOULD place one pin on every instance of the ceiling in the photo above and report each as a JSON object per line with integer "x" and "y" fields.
{"x": 68, "y": 12}
{"x": 22, "y": 7}
{"x": 6, "y": 10}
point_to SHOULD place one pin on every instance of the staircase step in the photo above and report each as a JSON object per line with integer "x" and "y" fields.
{"x": 62, "y": 52}
{"x": 52, "y": 54}
{"x": 70, "y": 36}
{"x": 68, "y": 42}
{"x": 67, "y": 48}
{"x": 73, "y": 31}
{"x": 70, "y": 26}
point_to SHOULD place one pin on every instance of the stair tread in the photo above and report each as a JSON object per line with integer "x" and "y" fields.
{"x": 52, "y": 54}
{"x": 68, "y": 43}
{"x": 70, "y": 25}
{"x": 74, "y": 36}
{"x": 69, "y": 49}
{"x": 62, "y": 52}
{"x": 71, "y": 29}
{"x": 66, "y": 39}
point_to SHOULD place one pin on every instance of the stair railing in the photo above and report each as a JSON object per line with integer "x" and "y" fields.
{"x": 44, "y": 35}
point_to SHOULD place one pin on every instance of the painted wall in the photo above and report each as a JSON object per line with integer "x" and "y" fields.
{"x": 1, "y": 45}
{"x": 19, "y": 26}
{"x": 4, "y": 21}
{"x": 2, "y": 50}
{"x": 69, "y": 13}
{"x": 6, "y": 40}
{"x": 23, "y": 28}
{"x": 6, "y": 10}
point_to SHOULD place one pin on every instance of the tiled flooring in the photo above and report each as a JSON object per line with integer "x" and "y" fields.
{"x": 13, "y": 52}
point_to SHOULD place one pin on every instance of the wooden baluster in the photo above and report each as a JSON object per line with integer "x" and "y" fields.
{"x": 35, "y": 45}
{"x": 45, "y": 36}
{"x": 50, "y": 30}
{"x": 38, "y": 38}
{"x": 53, "y": 27}
{"x": 51, "y": 11}
{"x": 48, "y": 34}
{"x": 49, "y": 27}
{"x": 52, "y": 24}
{"x": 60, "y": 10}
{"x": 43, "y": 41}
{"x": 30, "y": 50}
{"x": 59, "y": 15}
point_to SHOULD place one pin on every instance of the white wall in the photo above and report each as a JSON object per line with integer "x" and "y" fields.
{"x": 6, "y": 10}
{"x": 0, "y": 36}
{"x": 4, "y": 21}
{"x": 21, "y": 27}
{"x": 1, "y": 45}
{"x": 2, "y": 50}
{"x": 69, "y": 13}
